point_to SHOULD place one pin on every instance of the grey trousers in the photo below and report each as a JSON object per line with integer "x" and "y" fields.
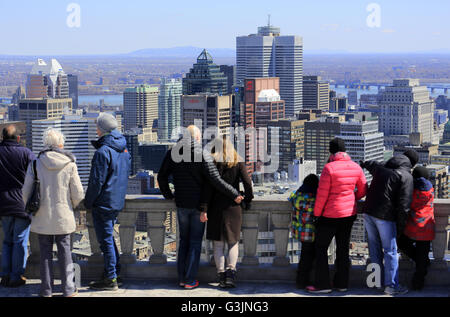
{"x": 66, "y": 268}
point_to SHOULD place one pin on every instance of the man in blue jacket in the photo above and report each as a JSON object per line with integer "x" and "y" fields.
{"x": 105, "y": 195}
{"x": 14, "y": 160}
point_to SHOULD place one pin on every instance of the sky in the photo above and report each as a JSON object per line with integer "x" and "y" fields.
{"x": 30, "y": 27}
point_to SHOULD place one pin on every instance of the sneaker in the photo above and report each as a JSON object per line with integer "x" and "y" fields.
{"x": 20, "y": 282}
{"x": 74, "y": 294}
{"x": 181, "y": 284}
{"x": 313, "y": 290}
{"x": 119, "y": 281}
{"x": 342, "y": 290}
{"x": 192, "y": 285}
{"x": 230, "y": 278}
{"x": 399, "y": 290}
{"x": 221, "y": 277}
{"x": 105, "y": 285}
{"x": 5, "y": 281}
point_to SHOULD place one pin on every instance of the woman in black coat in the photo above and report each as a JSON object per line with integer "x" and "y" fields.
{"x": 224, "y": 216}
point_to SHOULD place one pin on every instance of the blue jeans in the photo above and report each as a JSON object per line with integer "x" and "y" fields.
{"x": 189, "y": 250}
{"x": 104, "y": 228}
{"x": 383, "y": 245}
{"x": 15, "y": 246}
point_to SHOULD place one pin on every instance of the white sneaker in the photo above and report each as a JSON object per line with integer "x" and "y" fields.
{"x": 399, "y": 290}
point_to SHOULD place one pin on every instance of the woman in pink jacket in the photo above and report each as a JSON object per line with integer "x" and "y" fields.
{"x": 342, "y": 184}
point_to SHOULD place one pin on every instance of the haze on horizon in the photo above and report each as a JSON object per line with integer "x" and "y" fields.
{"x": 120, "y": 27}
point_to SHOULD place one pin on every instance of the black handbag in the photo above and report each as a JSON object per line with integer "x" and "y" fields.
{"x": 34, "y": 201}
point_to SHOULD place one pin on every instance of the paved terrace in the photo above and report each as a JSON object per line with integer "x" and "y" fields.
{"x": 156, "y": 277}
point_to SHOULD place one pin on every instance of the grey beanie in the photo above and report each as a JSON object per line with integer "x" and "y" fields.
{"x": 106, "y": 122}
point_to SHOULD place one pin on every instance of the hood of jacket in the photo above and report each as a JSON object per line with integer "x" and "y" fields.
{"x": 422, "y": 184}
{"x": 400, "y": 161}
{"x": 114, "y": 140}
{"x": 340, "y": 156}
{"x": 55, "y": 160}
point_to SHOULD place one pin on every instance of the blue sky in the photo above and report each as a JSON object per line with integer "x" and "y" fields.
{"x": 30, "y": 27}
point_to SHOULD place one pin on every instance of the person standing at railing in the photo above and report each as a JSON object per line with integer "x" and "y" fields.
{"x": 61, "y": 192}
{"x": 385, "y": 212}
{"x": 105, "y": 195}
{"x": 191, "y": 172}
{"x": 303, "y": 226}
{"x": 342, "y": 183}
{"x": 14, "y": 161}
{"x": 223, "y": 215}
{"x": 420, "y": 226}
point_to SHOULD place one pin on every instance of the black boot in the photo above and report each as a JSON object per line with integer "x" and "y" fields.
{"x": 230, "y": 278}
{"x": 105, "y": 284}
{"x": 222, "y": 278}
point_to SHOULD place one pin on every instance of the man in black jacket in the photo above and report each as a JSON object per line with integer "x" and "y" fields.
{"x": 191, "y": 169}
{"x": 14, "y": 161}
{"x": 386, "y": 209}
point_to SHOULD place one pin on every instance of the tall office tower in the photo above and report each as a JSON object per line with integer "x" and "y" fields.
{"x": 262, "y": 104}
{"x": 405, "y": 108}
{"x": 316, "y": 93}
{"x": 363, "y": 141}
{"x": 169, "y": 107}
{"x": 41, "y": 109}
{"x": 332, "y": 100}
{"x": 352, "y": 97}
{"x": 140, "y": 107}
{"x": 230, "y": 73}
{"x": 209, "y": 111}
{"x": 268, "y": 54}
{"x": 446, "y": 136}
{"x": 20, "y": 93}
{"x": 132, "y": 139}
{"x": 290, "y": 141}
{"x": 318, "y": 135}
{"x": 339, "y": 104}
{"x": 13, "y": 112}
{"x": 152, "y": 154}
{"x": 47, "y": 81}
{"x": 73, "y": 89}
{"x": 205, "y": 77}
{"x": 78, "y": 131}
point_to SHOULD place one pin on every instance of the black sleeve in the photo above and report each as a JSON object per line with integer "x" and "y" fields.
{"x": 248, "y": 188}
{"x": 163, "y": 176}
{"x": 212, "y": 174}
{"x": 371, "y": 166}
{"x": 404, "y": 200}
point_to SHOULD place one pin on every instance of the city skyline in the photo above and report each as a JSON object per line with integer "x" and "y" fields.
{"x": 405, "y": 26}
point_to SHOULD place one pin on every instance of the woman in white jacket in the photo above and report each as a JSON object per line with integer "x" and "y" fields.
{"x": 61, "y": 191}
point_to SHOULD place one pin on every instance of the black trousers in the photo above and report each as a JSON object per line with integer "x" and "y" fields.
{"x": 305, "y": 265}
{"x": 418, "y": 252}
{"x": 326, "y": 229}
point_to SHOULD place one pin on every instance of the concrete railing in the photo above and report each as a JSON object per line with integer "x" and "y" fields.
{"x": 158, "y": 267}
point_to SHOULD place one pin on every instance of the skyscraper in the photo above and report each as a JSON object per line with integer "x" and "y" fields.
{"x": 268, "y": 54}
{"x": 140, "y": 106}
{"x": 205, "y": 77}
{"x": 73, "y": 89}
{"x": 316, "y": 93}
{"x": 169, "y": 107}
{"x": 229, "y": 72}
{"x": 405, "y": 108}
{"x": 47, "y": 81}
{"x": 78, "y": 131}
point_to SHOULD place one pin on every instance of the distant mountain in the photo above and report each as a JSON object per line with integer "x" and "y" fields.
{"x": 183, "y": 51}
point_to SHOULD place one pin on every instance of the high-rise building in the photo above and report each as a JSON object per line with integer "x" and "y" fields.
{"x": 132, "y": 139}
{"x": 41, "y": 109}
{"x": 73, "y": 89}
{"x": 332, "y": 101}
{"x": 440, "y": 179}
{"x": 268, "y": 54}
{"x": 211, "y": 111}
{"x": 363, "y": 141}
{"x": 47, "y": 81}
{"x": 205, "y": 77}
{"x": 152, "y": 155}
{"x": 78, "y": 131}
{"x": 140, "y": 106}
{"x": 352, "y": 97}
{"x": 405, "y": 108}
{"x": 318, "y": 135}
{"x": 169, "y": 107}
{"x": 316, "y": 93}
{"x": 229, "y": 72}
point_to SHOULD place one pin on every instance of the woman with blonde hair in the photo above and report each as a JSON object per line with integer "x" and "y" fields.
{"x": 224, "y": 216}
{"x": 61, "y": 191}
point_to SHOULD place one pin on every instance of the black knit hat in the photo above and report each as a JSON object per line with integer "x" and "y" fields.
{"x": 312, "y": 181}
{"x": 413, "y": 157}
{"x": 421, "y": 171}
{"x": 337, "y": 145}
